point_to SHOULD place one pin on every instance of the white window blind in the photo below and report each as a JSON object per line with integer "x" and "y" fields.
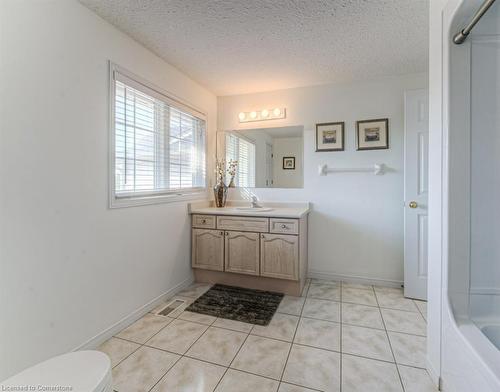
{"x": 241, "y": 150}
{"x": 159, "y": 145}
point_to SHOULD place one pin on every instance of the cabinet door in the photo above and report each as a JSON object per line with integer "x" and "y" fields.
{"x": 242, "y": 252}
{"x": 208, "y": 249}
{"x": 279, "y": 257}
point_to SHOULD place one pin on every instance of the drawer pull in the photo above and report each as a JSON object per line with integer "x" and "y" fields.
{"x": 203, "y": 221}
{"x": 221, "y": 233}
{"x": 284, "y": 226}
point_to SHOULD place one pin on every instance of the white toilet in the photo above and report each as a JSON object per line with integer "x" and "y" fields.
{"x": 79, "y": 371}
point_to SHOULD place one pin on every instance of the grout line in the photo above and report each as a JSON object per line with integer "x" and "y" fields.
{"x": 140, "y": 344}
{"x": 390, "y": 345}
{"x": 400, "y": 310}
{"x": 370, "y": 305}
{"x": 407, "y": 333}
{"x": 298, "y": 385}
{"x": 297, "y": 344}
{"x": 151, "y": 337}
{"x": 306, "y": 289}
{"x": 300, "y": 317}
{"x": 424, "y": 317}
{"x": 232, "y": 360}
{"x": 269, "y": 378}
{"x": 181, "y": 356}
{"x": 162, "y": 377}
{"x": 293, "y": 340}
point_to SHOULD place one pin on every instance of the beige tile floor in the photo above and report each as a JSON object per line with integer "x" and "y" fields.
{"x": 337, "y": 336}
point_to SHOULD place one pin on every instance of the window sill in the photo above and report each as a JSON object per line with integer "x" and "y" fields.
{"x": 133, "y": 201}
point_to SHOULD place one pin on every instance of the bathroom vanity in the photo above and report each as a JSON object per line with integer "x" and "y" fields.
{"x": 262, "y": 248}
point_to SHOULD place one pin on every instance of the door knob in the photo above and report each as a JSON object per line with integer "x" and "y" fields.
{"x": 413, "y": 204}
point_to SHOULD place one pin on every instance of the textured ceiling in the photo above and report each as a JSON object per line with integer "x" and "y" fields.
{"x": 243, "y": 46}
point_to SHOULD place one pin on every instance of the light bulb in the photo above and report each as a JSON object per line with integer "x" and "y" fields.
{"x": 277, "y": 112}
{"x": 241, "y": 116}
{"x": 264, "y": 113}
{"x": 253, "y": 115}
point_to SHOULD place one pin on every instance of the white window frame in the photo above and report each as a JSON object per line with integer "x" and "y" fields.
{"x": 152, "y": 197}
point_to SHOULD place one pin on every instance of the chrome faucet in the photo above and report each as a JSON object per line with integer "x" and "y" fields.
{"x": 255, "y": 202}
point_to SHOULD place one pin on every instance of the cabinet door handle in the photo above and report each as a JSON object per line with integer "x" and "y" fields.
{"x": 221, "y": 233}
{"x": 262, "y": 236}
{"x": 227, "y": 233}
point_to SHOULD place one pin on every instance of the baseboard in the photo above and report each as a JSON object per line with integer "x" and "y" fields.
{"x": 353, "y": 278}
{"x": 101, "y": 337}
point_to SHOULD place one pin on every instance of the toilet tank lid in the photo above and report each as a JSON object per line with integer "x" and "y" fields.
{"x": 77, "y": 371}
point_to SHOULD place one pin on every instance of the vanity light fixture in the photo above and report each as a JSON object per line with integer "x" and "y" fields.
{"x": 261, "y": 115}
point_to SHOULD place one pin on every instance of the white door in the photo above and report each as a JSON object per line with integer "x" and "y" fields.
{"x": 269, "y": 165}
{"x": 415, "y": 192}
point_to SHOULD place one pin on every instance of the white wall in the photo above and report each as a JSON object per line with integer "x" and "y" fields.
{"x": 287, "y": 147}
{"x": 71, "y": 267}
{"x": 356, "y": 227}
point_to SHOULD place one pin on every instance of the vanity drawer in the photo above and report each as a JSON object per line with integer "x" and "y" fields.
{"x": 239, "y": 223}
{"x": 204, "y": 221}
{"x": 285, "y": 226}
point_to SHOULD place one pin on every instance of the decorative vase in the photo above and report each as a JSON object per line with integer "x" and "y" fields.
{"x": 220, "y": 194}
{"x": 231, "y": 183}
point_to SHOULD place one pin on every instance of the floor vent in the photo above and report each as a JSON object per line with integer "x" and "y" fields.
{"x": 170, "y": 307}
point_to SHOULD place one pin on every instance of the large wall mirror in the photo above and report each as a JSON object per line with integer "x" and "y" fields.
{"x": 267, "y": 157}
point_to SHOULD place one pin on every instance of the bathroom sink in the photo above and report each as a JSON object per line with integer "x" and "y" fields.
{"x": 254, "y": 209}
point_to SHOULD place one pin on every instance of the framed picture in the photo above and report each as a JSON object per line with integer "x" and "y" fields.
{"x": 288, "y": 163}
{"x": 330, "y": 136}
{"x": 373, "y": 134}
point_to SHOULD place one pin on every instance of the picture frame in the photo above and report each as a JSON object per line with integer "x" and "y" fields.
{"x": 372, "y": 134}
{"x": 330, "y": 136}
{"x": 288, "y": 163}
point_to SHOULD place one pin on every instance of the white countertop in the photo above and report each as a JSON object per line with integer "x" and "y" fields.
{"x": 278, "y": 210}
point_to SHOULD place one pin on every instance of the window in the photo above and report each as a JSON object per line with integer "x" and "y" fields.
{"x": 242, "y": 150}
{"x": 159, "y": 144}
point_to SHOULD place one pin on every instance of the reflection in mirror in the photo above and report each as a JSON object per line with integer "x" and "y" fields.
{"x": 267, "y": 157}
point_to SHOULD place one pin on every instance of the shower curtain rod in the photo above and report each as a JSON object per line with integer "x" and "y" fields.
{"x": 461, "y": 36}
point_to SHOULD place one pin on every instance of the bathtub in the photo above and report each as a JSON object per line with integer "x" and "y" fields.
{"x": 470, "y": 319}
{"x": 484, "y": 310}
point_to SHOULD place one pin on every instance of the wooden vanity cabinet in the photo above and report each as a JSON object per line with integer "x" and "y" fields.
{"x": 255, "y": 252}
{"x": 242, "y": 252}
{"x": 279, "y": 256}
{"x": 207, "y": 249}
